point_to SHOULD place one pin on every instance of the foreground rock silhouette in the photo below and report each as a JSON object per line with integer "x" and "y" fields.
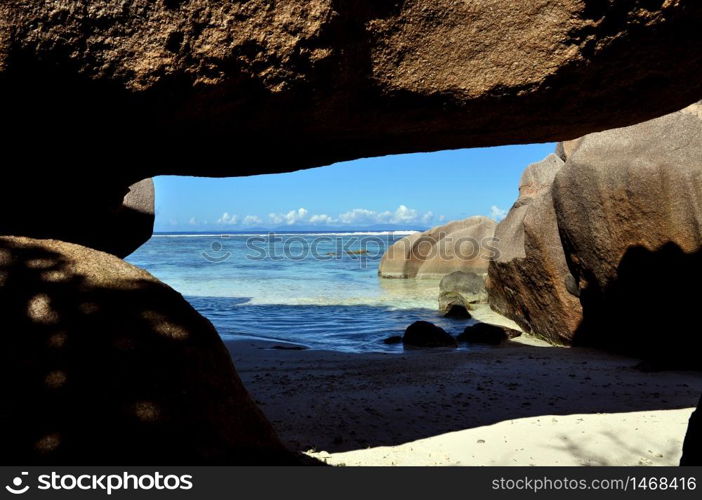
{"x": 97, "y": 215}
{"x": 101, "y": 364}
{"x": 692, "y": 447}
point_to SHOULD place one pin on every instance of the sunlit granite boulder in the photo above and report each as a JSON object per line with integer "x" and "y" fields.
{"x": 629, "y": 208}
{"x": 464, "y": 245}
{"x": 529, "y": 279}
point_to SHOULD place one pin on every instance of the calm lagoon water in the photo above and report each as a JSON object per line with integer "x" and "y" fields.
{"x": 312, "y": 289}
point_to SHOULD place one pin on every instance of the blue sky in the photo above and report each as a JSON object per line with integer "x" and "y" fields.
{"x": 414, "y": 191}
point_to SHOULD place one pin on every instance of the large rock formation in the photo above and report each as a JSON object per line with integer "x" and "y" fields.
{"x": 108, "y": 93}
{"x": 151, "y": 85}
{"x": 565, "y": 149}
{"x": 607, "y": 255}
{"x": 529, "y": 280}
{"x": 629, "y": 208}
{"x": 99, "y": 216}
{"x": 464, "y": 245}
{"x": 127, "y": 227}
{"x": 101, "y": 364}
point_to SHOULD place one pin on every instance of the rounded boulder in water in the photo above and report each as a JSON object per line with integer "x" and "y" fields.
{"x": 425, "y": 334}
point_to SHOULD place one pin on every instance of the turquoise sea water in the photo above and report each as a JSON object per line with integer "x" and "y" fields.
{"x": 306, "y": 288}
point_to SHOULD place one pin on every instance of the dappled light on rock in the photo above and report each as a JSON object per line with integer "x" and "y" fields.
{"x": 91, "y": 372}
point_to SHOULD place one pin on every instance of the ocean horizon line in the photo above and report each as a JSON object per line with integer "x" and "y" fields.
{"x": 202, "y": 234}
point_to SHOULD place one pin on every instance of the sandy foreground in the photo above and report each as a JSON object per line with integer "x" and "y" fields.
{"x": 524, "y": 403}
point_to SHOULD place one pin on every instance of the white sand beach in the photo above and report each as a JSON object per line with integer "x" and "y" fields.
{"x": 619, "y": 439}
{"x": 524, "y": 403}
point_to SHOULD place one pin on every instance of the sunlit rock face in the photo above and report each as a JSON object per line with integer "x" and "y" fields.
{"x": 603, "y": 250}
{"x": 101, "y": 363}
{"x": 528, "y": 279}
{"x": 629, "y": 209}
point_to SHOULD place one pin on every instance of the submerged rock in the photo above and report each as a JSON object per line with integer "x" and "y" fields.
{"x": 289, "y": 347}
{"x": 483, "y": 333}
{"x": 457, "y": 311}
{"x": 425, "y": 334}
{"x": 464, "y": 245}
{"x": 395, "y": 339}
{"x": 102, "y": 363}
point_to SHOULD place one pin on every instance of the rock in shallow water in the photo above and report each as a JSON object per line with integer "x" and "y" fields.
{"x": 463, "y": 245}
{"x": 460, "y": 291}
{"x": 457, "y": 311}
{"x": 425, "y": 334}
{"x": 396, "y": 339}
{"x": 102, "y": 363}
{"x": 483, "y": 333}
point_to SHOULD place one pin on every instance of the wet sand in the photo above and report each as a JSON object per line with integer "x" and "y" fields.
{"x": 524, "y": 403}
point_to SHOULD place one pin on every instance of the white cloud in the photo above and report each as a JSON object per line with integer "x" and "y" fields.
{"x": 403, "y": 215}
{"x": 497, "y": 213}
{"x": 275, "y": 218}
{"x": 358, "y": 215}
{"x": 295, "y": 216}
{"x": 292, "y": 217}
{"x": 322, "y": 219}
{"x": 228, "y": 219}
{"x": 250, "y": 220}
{"x": 192, "y": 221}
